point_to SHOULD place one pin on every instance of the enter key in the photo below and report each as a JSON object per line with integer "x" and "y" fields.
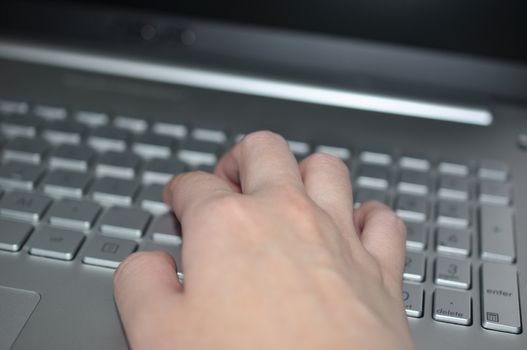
{"x": 500, "y": 301}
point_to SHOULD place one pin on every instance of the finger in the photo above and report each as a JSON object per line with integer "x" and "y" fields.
{"x": 383, "y": 235}
{"x": 260, "y": 160}
{"x": 143, "y": 285}
{"x": 327, "y": 182}
{"x": 186, "y": 191}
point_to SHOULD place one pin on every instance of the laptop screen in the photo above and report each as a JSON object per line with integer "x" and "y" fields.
{"x": 488, "y": 28}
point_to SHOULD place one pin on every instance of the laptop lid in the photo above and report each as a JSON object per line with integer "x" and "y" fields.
{"x": 472, "y": 49}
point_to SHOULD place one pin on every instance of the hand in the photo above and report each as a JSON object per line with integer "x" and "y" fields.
{"x": 274, "y": 258}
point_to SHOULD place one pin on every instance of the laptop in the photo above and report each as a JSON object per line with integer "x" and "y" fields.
{"x": 101, "y": 102}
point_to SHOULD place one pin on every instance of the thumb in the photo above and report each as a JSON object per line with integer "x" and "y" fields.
{"x": 145, "y": 284}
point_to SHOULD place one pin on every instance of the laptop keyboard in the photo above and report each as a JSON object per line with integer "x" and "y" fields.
{"x": 86, "y": 186}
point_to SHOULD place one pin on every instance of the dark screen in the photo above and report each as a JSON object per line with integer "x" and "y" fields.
{"x": 492, "y": 28}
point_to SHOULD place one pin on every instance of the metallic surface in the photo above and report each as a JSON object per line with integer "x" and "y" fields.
{"x": 246, "y": 85}
{"x": 83, "y": 308}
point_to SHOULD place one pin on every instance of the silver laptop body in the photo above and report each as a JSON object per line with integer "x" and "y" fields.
{"x": 101, "y": 105}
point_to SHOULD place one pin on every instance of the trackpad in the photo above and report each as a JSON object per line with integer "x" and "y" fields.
{"x": 16, "y": 305}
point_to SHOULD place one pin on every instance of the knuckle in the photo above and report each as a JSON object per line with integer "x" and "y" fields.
{"x": 172, "y": 185}
{"x": 296, "y": 200}
{"x": 327, "y": 161}
{"x": 261, "y": 137}
{"x": 186, "y": 180}
{"x": 189, "y": 179}
{"x": 300, "y": 209}
{"x": 178, "y": 181}
{"x": 375, "y": 206}
{"x": 224, "y": 205}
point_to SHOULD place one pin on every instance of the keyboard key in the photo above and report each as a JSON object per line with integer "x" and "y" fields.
{"x": 205, "y": 168}
{"x": 50, "y": 113}
{"x": 376, "y": 158}
{"x": 494, "y": 192}
{"x": 342, "y": 153}
{"x": 497, "y": 234}
{"x": 413, "y": 163}
{"x": 411, "y": 208}
{"x": 107, "y": 252}
{"x": 209, "y": 135}
{"x": 91, "y": 119}
{"x": 238, "y": 137}
{"x": 20, "y": 127}
{"x": 500, "y": 298}
{"x": 452, "y": 306}
{"x": 454, "y": 241}
{"x": 453, "y": 187}
{"x": 416, "y": 236}
{"x": 63, "y": 183}
{"x": 13, "y": 235}
{"x": 160, "y": 171}
{"x": 132, "y": 124}
{"x": 363, "y": 195}
{"x": 125, "y": 222}
{"x": 51, "y": 242}
{"x": 196, "y": 153}
{"x": 8, "y": 107}
{"x": 75, "y": 158}
{"x": 493, "y": 170}
{"x": 413, "y": 295}
{"x": 105, "y": 138}
{"x": 453, "y": 273}
{"x": 150, "y": 146}
{"x": 63, "y": 132}
{"x": 166, "y": 230}
{"x": 299, "y": 148}
{"x": 21, "y": 176}
{"x": 24, "y": 206}
{"x": 109, "y": 191}
{"x": 450, "y": 168}
{"x": 414, "y": 267}
{"x": 372, "y": 176}
{"x": 453, "y": 214}
{"x": 75, "y": 214}
{"x": 151, "y": 199}
{"x": 413, "y": 182}
{"x": 170, "y": 129}
{"x": 123, "y": 165}
{"x": 25, "y": 150}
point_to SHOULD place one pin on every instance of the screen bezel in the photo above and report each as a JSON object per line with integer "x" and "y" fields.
{"x": 320, "y": 58}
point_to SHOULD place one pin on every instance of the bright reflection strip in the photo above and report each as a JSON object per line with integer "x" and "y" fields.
{"x": 245, "y": 84}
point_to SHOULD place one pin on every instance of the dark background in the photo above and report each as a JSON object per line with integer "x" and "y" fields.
{"x": 491, "y": 28}
{"x": 480, "y": 27}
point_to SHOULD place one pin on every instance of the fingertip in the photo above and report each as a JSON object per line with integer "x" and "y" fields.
{"x": 382, "y": 218}
{"x": 371, "y": 208}
{"x": 383, "y": 235}
{"x": 168, "y": 191}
